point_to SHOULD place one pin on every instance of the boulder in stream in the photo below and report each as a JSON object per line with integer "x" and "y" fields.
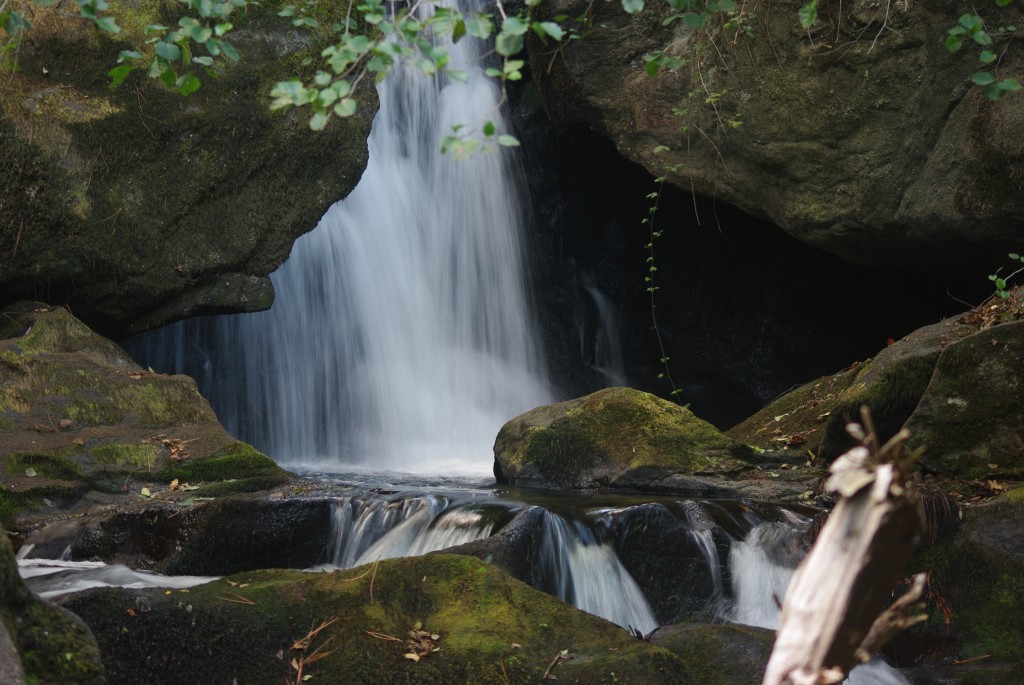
{"x": 81, "y": 422}
{"x": 618, "y": 438}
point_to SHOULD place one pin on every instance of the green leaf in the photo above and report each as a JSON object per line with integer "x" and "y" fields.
{"x": 479, "y": 27}
{"x": 128, "y": 54}
{"x": 318, "y": 121}
{"x": 514, "y": 26}
{"x": 168, "y": 51}
{"x": 155, "y": 28}
{"x": 508, "y": 44}
{"x": 987, "y": 56}
{"x": 1014, "y": 255}
{"x": 954, "y": 43}
{"x": 490, "y": 128}
{"x": 205, "y": 61}
{"x": 229, "y": 51}
{"x": 808, "y": 14}
{"x": 982, "y": 38}
{"x": 107, "y": 24}
{"x": 168, "y": 77}
{"x": 651, "y": 67}
{"x": 983, "y": 78}
{"x": 221, "y": 29}
{"x": 508, "y": 141}
{"x": 633, "y": 6}
{"x": 118, "y": 74}
{"x": 550, "y": 28}
{"x": 693, "y": 20}
{"x": 724, "y": 6}
{"x": 188, "y": 84}
{"x": 345, "y": 108}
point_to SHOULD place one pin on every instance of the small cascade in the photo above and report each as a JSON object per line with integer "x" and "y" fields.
{"x": 600, "y": 343}
{"x": 53, "y": 578}
{"x": 368, "y": 530}
{"x": 701, "y": 531}
{"x": 586, "y": 572}
{"x": 762, "y": 564}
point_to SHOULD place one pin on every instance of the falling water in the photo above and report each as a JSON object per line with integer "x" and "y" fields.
{"x": 401, "y": 336}
{"x": 366, "y": 531}
{"x": 587, "y": 573}
{"x": 762, "y": 565}
{"x": 600, "y": 345}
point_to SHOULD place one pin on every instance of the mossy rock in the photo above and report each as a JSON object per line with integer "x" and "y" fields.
{"x": 969, "y": 418}
{"x": 53, "y": 645}
{"x": 719, "y": 654}
{"x": 612, "y": 438}
{"x": 77, "y": 414}
{"x": 977, "y": 607}
{"x": 490, "y": 627}
{"x": 955, "y": 385}
{"x": 138, "y": 206}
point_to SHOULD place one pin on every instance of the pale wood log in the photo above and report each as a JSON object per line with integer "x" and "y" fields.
{"x": 833, "y": 616}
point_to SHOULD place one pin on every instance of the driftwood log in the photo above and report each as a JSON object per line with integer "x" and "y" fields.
{"x": 834, "y": 616}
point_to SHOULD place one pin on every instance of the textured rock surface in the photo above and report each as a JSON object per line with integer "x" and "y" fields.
{"x": 617, "y": 437}
{"x": 77, "y": 415}
{"x": 867, "y": 142}
{"x": 39, "y": 642}
{"x": 490, "y": 628}
{"x": 140, "y": 206}
{"x": 955, "y": 385}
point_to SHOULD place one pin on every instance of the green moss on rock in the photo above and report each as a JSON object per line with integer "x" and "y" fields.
{"x": 596, "y": 440}
{"x": 477, "y": 611}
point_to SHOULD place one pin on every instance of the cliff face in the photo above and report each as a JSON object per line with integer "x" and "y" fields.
{"x": 863, "y": 137}
{"x": 139, "y": 206}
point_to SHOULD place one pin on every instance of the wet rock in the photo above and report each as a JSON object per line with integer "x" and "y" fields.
{"x": 79, "y": 419}
{"x": 138, "y": 206}
{"x": 617, "y": 437}
{"x": 39, "y": 642}
{"x": 718, "y": 654}
{"x": 228, "y": 535}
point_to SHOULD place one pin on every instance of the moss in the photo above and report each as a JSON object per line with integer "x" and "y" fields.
{"x": 891, "y": 391}
{"x": 139, "y": 456}
{"x": 594, "y": 440}
{"x": 45, "y": 465}
{"x": 236, "y": 461}
{"x": 477, "y": 610}
{"x": 561, "y": 455}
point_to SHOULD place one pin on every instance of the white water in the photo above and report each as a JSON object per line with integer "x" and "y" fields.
{"x": 52, "y": 578}
{"x": 363, "y": 532}
{"x": 401, "y": 336}
{"x": 602, "y": 346}
{"x": 761, "y": 567}
{"x": 587, "y": 573}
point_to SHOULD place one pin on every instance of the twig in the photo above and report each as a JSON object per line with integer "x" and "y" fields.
{"x": 383, "y": 636}
{"x": 238, "y": 599}
{"x": 372, "y": 578}
{"x": 559, "y": 658}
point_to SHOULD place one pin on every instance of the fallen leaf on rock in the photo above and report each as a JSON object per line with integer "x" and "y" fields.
{"x": 174, "y": 484}
{"x": 65, "y": 424}
{"x": 31, "y": 472}
{"x": 145, "y": 492}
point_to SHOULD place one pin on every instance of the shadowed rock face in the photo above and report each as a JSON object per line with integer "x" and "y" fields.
{"x": 137, "y": 207}
{"x": 878, "y": 151}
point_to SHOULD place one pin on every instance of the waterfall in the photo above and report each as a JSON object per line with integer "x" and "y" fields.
{"x": 600, "y": 344}
{"x": 401, "y": 337}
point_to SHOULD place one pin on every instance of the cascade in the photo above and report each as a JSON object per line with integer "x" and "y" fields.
{"x": 401, "y": 337}
{"x": 600, "y": 344}
{"x": 586, "y": 572}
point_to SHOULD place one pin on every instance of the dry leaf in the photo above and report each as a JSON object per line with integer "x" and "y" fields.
{"x": 413, "y": 657}
{"x": 174, "y": 484}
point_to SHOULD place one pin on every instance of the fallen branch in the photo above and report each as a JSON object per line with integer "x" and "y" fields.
{"x": 833, "y": 617}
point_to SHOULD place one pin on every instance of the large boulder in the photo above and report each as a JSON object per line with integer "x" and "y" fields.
{"x": 78, "y": 415}
{"x": 138, "y": 206}
{"x": 977, "y": 596}
{"x": 955, "y": 385}
{"x": 618, "y": 438}
{"x": 862, "y": 136}
{"x": 488, "y": 627}
{"x": 39, "y": 642}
